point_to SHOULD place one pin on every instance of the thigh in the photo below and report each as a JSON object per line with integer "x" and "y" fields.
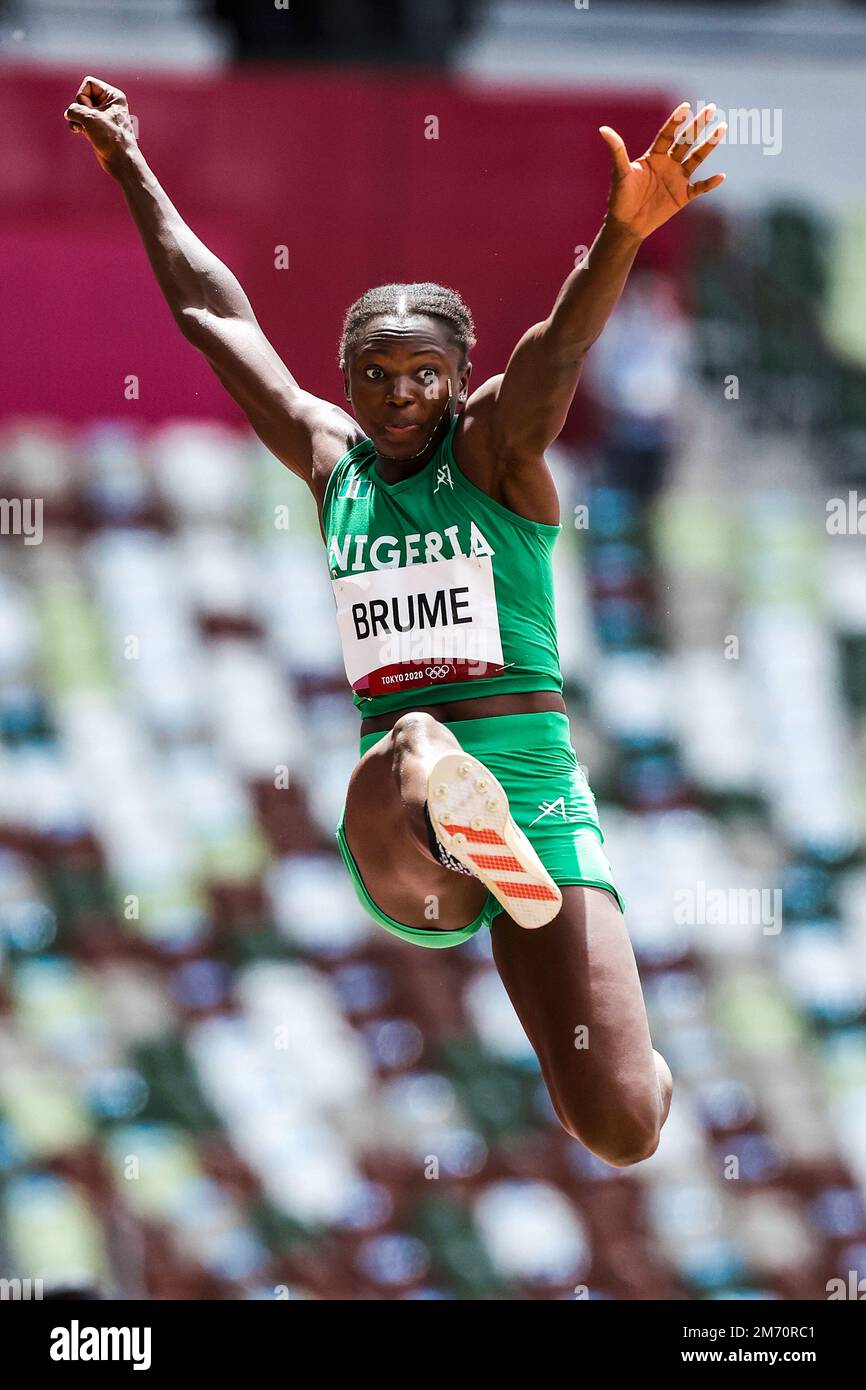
{"x": 575, "y": 987}
{"x": 401, "y": 880}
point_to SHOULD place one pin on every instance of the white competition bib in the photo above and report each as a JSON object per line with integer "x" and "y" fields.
{"x": 419, "y": 625}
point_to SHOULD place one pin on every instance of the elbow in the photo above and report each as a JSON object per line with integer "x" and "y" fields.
{"x": 564, "y": 348}
{"x": 570, "y": 361}
{"x": 191, "y": 322}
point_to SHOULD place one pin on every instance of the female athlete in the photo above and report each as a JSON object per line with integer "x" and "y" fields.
{"x": 467, "y": 808}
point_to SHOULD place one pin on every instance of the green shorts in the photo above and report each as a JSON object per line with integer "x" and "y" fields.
{"x": 549, "y": 798}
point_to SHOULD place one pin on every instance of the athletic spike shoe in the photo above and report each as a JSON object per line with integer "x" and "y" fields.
{"x": 438, "y": 850}
{"x": 469, "y": 811}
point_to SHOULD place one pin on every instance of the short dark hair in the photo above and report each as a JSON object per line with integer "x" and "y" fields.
{"x": 423, "y": 297}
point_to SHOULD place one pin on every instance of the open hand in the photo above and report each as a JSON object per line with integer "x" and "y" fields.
{"x": 648, "y": 191}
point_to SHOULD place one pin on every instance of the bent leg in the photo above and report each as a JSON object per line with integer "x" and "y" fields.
{"x": 575, "y": 987}
{"x": 418, "y": 741}
{"x": 386, "y": 830}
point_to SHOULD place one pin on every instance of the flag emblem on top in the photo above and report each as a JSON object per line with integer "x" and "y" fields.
{"x": 354, "y": 485}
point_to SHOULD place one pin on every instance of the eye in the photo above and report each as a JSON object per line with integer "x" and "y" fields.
{"x": 428, "y": 374}
{"x": 372, "y": 369}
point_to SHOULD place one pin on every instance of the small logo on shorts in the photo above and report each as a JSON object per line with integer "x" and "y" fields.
{"x": 551, "y": 808}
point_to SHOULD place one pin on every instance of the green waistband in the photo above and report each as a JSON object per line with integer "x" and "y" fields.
{"x": 531, "y": 729}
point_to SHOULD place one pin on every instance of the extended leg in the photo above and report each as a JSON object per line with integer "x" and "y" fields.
{"x": 575, "y": 987}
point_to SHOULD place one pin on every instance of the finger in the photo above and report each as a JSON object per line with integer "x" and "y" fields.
{"x": 81, "y": 114}
{"x": 616, "y": 145}
{"x": 90, "y": 90}
{"x": 94, "y": 92}
{"x": 706, "y": 147}
{"x": 704, "y": 185}
{"x": 690, "y": 132}
{"x": 662, "y": 143}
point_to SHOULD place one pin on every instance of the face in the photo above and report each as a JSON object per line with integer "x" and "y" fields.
{"x": 397, "y": 380}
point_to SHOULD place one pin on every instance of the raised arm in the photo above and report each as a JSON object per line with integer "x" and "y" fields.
{"x": 306, "y": 433}
{"x": 529, "y": 402}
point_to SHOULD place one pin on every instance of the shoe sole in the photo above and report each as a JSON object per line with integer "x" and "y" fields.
{"x": 470, "y": 814}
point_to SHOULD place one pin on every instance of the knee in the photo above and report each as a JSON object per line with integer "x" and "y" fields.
{"x": 411, "y": 726}
{"x": 409, "y": 735}
{"x": 623, "y": 1156}
{"x": 622, "y": 1137}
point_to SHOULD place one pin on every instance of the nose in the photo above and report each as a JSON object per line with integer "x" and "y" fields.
{"x": 400, "y": 389}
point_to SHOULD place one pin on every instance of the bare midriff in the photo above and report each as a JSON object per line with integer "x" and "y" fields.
{"x": 482, "y": 707}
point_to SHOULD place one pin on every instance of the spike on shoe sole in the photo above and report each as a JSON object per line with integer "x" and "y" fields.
{"x": 470, "y": 814}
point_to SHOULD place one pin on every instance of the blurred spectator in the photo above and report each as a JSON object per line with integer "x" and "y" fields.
{"x": 637, "y": 371}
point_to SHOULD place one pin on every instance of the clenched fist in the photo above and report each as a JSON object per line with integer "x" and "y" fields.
{"x": 101, "y": 113}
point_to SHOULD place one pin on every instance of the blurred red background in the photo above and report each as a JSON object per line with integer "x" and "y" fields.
{"x": 340, "y": 164}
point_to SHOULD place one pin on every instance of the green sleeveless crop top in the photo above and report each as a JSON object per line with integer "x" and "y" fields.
{"x": 441, "y": 592}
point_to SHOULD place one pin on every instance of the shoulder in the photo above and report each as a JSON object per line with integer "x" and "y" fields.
{"x": 333, "y": 434}
{"x": 523, "y": 486}
{"x": 323, "y": 435}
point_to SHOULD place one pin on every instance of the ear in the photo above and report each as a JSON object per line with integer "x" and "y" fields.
{"x": 463, "y": 393}
{"x": 346, "y": 387}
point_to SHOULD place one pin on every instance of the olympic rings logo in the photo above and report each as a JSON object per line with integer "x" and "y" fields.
{"x": 435, "y": 673}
